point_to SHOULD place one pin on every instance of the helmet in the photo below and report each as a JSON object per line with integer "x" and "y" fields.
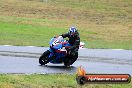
{"x": 72, "y": 31}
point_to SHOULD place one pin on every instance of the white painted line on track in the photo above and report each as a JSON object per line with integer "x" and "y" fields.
{"x": 117, "y": 49}
{"x": 6, "y": 45}
{"x": 79, "y": 47}
{"x": 31, "y": 46}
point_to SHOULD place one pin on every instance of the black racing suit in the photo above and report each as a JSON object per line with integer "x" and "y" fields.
{"x": 73, "y": 50}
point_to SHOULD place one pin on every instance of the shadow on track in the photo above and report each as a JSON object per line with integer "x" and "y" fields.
{"x": 60, "y": 68}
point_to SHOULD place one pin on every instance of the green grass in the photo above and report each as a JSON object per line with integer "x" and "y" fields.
{"x": 101, "y": 23}
{"x": 49, "y": 81}
{"x": 19, "y": 32}
{"x": 24, "y": 34}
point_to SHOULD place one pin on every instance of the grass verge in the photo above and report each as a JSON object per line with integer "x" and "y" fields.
{"x": 49, "y": 81}
{"x": 102, "y": 24}
{"x": 26, "y": 31}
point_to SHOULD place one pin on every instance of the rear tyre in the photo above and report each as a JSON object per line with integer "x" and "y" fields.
{"x": 70, "y": 60}
{"x": 44, "y": 58}
{"x": 67, "y": 62}
{"x": 67, "y": 65}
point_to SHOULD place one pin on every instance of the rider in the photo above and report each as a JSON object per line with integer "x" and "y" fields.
{"x": 74, "y": 40}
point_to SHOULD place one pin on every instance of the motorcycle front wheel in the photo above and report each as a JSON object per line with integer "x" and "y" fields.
{"x": 44, "y": 58}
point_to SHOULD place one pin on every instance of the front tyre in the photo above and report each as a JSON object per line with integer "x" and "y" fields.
{"x": 44, "y": 58}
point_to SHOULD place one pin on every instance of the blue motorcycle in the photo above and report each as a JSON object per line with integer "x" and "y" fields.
{"x": 57, "y": 53}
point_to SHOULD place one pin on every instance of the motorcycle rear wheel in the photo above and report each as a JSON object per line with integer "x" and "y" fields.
{"x": 69, "y": 60}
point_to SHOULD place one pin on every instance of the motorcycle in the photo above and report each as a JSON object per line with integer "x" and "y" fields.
{"x": 57, "y": 53}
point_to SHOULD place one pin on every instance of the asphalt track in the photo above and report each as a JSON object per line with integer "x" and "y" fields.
{"x": 24, "y": 60}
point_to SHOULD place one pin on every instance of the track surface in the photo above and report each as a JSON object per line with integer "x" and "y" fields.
{"x": 24, "y": 60}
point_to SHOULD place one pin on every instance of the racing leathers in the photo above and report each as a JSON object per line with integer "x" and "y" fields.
{"x": 73, "y": 49}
